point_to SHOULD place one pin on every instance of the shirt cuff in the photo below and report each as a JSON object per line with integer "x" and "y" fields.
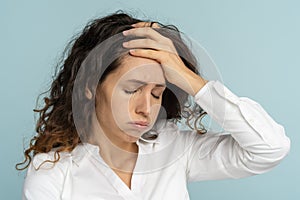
{"x": 216, "y": 99}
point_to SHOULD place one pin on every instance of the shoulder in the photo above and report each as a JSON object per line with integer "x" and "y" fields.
{"x": 45, "y": 178}
{"x": 169, "y": 132}
{"x": 45, "y": 161}
{"x": 43, "y": 166}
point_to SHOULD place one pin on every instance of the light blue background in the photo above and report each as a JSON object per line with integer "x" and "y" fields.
{"x": 255, "y": 45}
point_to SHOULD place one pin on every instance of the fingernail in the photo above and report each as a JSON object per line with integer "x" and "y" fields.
{"x": 125, "y": 44}
{"x": 125, "y": 32}
{"x": 133, "y": 25}
{"x": 132, "y": 50}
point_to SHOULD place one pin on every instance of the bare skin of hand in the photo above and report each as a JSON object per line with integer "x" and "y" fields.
{"x": 162, "y": 50}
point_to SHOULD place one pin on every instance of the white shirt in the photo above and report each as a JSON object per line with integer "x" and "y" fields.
{"x": 252, "y": 143}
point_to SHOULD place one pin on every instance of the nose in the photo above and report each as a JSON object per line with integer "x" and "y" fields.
{"x": 143, "y": 104}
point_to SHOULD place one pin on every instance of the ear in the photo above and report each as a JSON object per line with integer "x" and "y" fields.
{"x": 88, "y": 93}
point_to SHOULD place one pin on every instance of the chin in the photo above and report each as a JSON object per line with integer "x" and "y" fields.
{"x": 133, "y": 134}
{"x": 131, "y": 138}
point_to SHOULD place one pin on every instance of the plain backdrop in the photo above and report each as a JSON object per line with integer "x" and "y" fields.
{"x": 254, "y": 43}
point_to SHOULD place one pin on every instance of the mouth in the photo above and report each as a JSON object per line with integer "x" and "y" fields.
{"x": 140, "y": 124}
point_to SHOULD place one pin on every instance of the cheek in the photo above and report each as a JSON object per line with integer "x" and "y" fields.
{"x": 155, "y": 108}
{"x": 120, "y": 106}
{"x": 155, "y": 111}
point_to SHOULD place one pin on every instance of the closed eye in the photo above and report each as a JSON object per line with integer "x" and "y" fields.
{"x": 157, "y": 92}
{"x": 134, "y": 91}
{"x": 130, "y": 92}
{"x": 156, "y": 97}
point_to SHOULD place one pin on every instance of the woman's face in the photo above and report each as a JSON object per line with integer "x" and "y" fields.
{"x": 129, "y": 99}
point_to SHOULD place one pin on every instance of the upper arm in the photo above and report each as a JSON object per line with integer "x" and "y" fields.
{"x": 252, "y": 142}
{"x": 214, "y": 157}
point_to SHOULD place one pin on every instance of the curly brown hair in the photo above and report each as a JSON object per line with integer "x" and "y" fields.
{"x": 56, "y": 128}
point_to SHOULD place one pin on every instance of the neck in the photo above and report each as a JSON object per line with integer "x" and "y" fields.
{"x": 119, "y": 155}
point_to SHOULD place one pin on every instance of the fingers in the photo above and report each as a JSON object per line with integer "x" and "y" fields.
{"x": 145, "y": 43}
{"x": 147, "y": 53}
{"x": 146, "y": 24}
{"x": 153, "y": 40}
{"x": 144, "y": 32}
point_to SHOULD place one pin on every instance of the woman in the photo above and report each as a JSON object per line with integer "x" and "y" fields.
{"x": 108, "y": 129}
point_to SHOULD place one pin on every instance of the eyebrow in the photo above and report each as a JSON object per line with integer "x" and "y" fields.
{"x": 144, "y": 83}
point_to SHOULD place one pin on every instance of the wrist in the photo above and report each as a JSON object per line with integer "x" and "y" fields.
{"x": 190, "y": 82}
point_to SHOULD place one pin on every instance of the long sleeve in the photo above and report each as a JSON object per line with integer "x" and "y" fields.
{"x": 252, "y": 142}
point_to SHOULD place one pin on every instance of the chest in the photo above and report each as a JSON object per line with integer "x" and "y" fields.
{"x": 125, "y": 177}
{"x": 101, "y": 182}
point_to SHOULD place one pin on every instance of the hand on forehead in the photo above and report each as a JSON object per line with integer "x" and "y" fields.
{"x": 143, "y": 69}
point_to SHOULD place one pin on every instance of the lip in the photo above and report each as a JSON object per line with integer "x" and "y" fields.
{"x": 140, "y": 124}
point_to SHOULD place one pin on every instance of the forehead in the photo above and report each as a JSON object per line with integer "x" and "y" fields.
{"x": 137, "y": 68}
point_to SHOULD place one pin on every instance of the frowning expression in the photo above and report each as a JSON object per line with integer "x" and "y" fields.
{"x": 129, "y": 99}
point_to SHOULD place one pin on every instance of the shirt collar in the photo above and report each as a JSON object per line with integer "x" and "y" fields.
{"x": 153, "y": 136}
{"x": 150, "y": 137}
